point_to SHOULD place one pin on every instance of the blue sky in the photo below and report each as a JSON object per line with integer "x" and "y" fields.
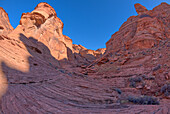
{"x": 87, "y": 22}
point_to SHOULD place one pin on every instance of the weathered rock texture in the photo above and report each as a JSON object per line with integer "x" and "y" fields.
{"x": 41, "y": 71}
{"x": 44, "y": 25}
{"x": 5, "y": 26}
{"x": 84, "y": 55}
{"x": 140, "y": 9}
{"x": 137, "y": 57}
{"x": 142, "y": 31}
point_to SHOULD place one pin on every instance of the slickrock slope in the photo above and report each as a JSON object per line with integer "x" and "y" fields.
{"x": 41, "y": 71}
{"x": 137, "y": 58}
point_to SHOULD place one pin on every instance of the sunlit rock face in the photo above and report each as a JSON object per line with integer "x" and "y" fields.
{"x": 144, "y": 30}
{"x": 5, "y": 26}
{"x": 137, "y": 56}
{"x": 139, "y": 8}
{"x": 44, "y": 25}
{"x": 84, "y": 55}
{"x": 134, "y": 69}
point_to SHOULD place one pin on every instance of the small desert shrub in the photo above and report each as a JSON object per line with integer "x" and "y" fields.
{"x": 108, "y": 101}
{"x": 144, "y": 100}
{"x": 157, "y": 67}
{"x": 132, "y": 84}
{"x": 167, "y": 93}
{"x": 118, "y": 90}
{"x": 141, "y": 78}
{"x": 165, "y": 89}
{"x": 134, "y": 80}
{"x": 150, "y": 78}
{"x": 62, "y": 71}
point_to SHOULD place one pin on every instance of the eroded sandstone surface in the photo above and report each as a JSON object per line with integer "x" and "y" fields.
{"x": 5, "y": 26}
{"x": 42, "y": 71}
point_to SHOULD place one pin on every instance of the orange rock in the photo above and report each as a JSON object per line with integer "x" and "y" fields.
{"x": 88, "y": 54}
{"x": 139, "y": 8}
{"x": 40, "y": 66}
{"x": 44, "y": 25}
{"x": 5, "y": 26}
{"x": 143, "y": 31}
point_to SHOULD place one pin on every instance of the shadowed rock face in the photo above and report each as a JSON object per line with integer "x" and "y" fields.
{"x": 41, "y": 71}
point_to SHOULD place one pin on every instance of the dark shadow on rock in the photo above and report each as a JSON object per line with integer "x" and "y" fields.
{"x": 41, "y": 64}
{"x": 42, "y": 67}
{"x": 38, "y": 49}
{"x": 44, "y": 84}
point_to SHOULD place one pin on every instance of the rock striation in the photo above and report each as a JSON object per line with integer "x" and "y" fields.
{"x": 44, "y": 25}
{"x": 142, "y": 31}
{"x": 140, "y": 9}
{"x": 41, "y": 71}
{"x": 137, "y": 56}
{"x": 87, "y": 54}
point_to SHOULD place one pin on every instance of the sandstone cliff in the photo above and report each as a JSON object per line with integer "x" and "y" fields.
{"x": 43, "y": 25}
{"x": 41, "y": 71}
{"x": 5, "y": 26}
{"x": 137, "y": 56}
{"x": 142, "y": 31}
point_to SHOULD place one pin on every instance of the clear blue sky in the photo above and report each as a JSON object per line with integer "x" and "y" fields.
{"x": 87, "y": 22}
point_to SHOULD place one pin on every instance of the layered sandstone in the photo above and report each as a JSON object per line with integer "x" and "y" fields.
{"x": 137, "y": 56}
{"x": 142, "y": 31}
{"x": 88, "y": 54}
{"x": 140, "y": 9}
{"x": 134, "y": 69}
{"x": 43, "y": 25}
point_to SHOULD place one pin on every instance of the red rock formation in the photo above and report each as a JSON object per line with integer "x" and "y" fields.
{"x": 137, "y": 56}
{"x": 142, "y": 31}
{"x": 84, "y": 55}
{"x": 5, "y": 26}
{"x": 140, "y": 9}
{"x": 44, "y": 25}
{"x": 136, "y": 63}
